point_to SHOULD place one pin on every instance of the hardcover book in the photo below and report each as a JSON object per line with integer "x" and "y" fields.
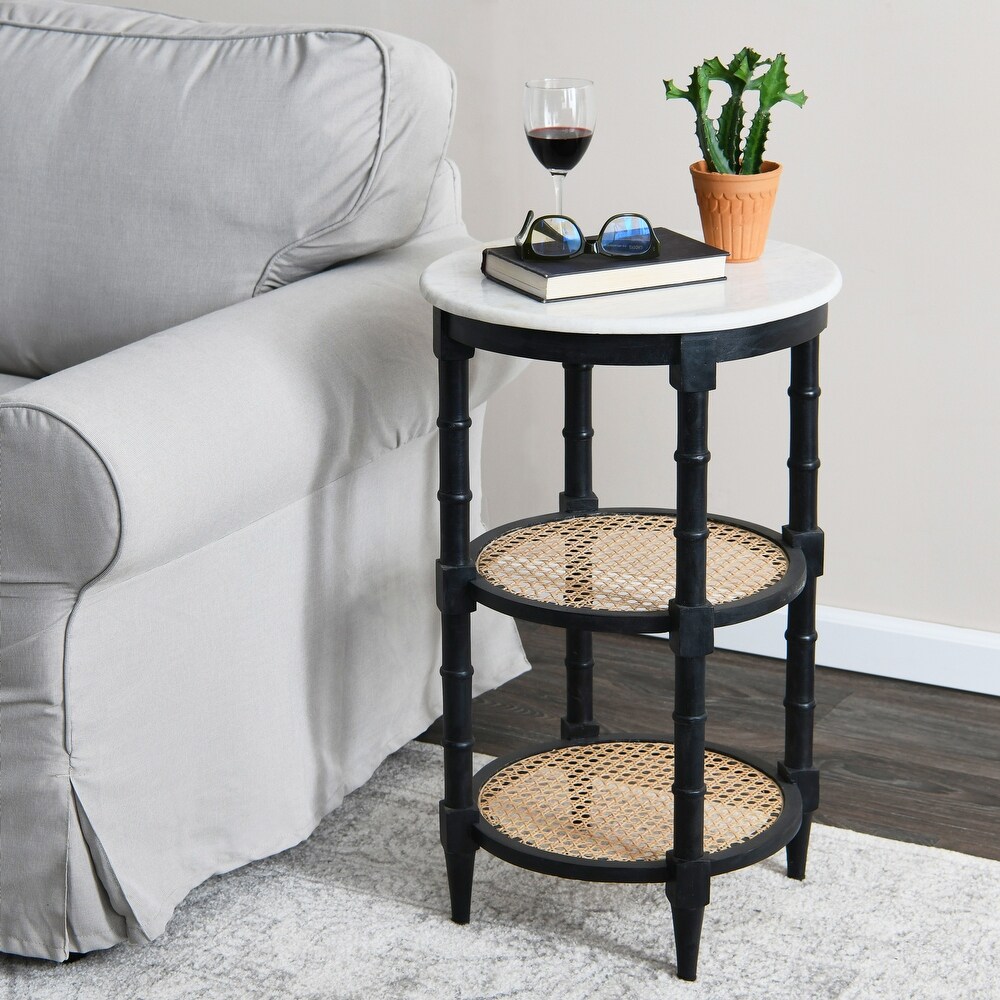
{"x": 682, "y": 261}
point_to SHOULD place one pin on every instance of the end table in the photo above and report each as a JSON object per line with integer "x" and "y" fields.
{"x": 636, "y": 808}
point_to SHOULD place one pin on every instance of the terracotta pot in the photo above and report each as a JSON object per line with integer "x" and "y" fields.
{"x": 736, "y": 208}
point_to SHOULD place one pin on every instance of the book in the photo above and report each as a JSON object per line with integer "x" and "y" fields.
{"x": 682, "y": 261}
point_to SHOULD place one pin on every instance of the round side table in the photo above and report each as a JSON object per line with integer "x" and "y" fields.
{"x": 635, "y": 808}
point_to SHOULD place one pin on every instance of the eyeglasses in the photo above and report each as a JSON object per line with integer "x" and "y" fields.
{"x": 556, "y": 237}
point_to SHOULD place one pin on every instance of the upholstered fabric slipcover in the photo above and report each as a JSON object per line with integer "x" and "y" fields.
{"x": 217, "y": 540}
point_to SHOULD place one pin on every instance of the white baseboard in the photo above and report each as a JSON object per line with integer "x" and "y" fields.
{"x": 943, "y": 655}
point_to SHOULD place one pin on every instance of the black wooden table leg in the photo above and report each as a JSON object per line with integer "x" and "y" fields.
{"x": 578, "y": 497}
{"x": 691, "y": 640}
{"x": 803, "y": 532}
{"x": 456, "y": 603}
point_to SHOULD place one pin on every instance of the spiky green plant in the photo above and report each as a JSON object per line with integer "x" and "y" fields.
{"x": 723, "y": 145}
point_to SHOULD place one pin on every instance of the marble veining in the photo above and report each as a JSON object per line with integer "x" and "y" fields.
{"x": 786, "y": 281}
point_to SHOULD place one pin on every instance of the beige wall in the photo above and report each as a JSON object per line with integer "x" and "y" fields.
{"x": 884, "y": 173}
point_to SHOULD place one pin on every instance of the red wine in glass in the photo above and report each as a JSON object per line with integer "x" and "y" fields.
{"x": 559, "y": 148}
{"x": 559, "y": 118}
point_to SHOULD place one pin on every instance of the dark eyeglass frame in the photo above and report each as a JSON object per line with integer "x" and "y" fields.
{"x": 525, "y": 251}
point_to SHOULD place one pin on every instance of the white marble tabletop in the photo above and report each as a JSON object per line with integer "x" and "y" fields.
{"x": 786, "y": 281}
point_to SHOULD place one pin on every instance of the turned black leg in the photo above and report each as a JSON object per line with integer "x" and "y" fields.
{"x": 578, "y": 497}
{"x": 688, "y": 889}
{"x": 691, "y": 639}
{"x": 803, "y": 532}
{"x": 456, "y": 604}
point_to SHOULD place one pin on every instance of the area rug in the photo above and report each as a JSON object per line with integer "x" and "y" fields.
{"x": 360, "y": 911}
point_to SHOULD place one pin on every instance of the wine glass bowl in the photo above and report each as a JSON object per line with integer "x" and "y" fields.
{"x": 559, "y": 118}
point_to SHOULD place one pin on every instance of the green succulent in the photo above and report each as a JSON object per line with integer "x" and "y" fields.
{"x": 723, "y": 145}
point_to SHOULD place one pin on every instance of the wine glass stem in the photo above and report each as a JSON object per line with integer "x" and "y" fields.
{"x": 557, "y": 180}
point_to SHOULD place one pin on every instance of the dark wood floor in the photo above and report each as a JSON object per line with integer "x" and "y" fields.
{"x": 898, "y": 760}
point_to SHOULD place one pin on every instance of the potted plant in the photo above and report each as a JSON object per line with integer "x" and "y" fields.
{"x": 734, "y": 184}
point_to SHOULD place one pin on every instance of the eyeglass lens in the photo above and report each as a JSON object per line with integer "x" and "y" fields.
{"x": 625, "y": 235}
{"x": 555, "y": 237}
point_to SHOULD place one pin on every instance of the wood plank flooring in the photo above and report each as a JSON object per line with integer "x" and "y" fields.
{"x": 898, "y": 760}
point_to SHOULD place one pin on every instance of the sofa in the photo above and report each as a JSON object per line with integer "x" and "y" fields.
{"x": 218, "y": 454}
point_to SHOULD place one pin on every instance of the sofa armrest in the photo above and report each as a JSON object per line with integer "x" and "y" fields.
{"x": 216, "y": 423}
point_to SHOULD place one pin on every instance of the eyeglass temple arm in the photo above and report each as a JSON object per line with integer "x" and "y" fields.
{"x": 523, "y": 234}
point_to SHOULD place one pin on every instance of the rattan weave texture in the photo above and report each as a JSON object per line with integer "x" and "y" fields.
{"x": 611, "y": 801}
{"x": 624, "y": 562}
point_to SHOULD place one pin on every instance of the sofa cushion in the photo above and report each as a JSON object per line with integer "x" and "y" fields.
{"x": 157, "y": 168}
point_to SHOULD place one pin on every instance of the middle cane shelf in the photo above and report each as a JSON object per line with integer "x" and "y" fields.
{"x": 602, "y": 809}
{"x": 613, "y": 570}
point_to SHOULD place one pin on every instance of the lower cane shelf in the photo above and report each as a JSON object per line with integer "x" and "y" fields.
{"x": 602, "y": 810}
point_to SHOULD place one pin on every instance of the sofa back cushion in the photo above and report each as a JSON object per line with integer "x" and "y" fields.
{"x": 157, "y": 168}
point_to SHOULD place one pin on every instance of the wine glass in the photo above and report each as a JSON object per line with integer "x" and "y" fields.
{"x": 559, "y": 118}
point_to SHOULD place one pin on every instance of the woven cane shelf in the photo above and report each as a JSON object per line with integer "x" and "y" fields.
{"x": 616, "y": 569}
{"x": 605, "y": 809}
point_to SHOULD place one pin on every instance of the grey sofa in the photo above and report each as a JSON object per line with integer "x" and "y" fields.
{"x": 217, "y": 448}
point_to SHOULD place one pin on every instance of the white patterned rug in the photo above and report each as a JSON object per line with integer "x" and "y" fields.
{"x": 360, "y": 911}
